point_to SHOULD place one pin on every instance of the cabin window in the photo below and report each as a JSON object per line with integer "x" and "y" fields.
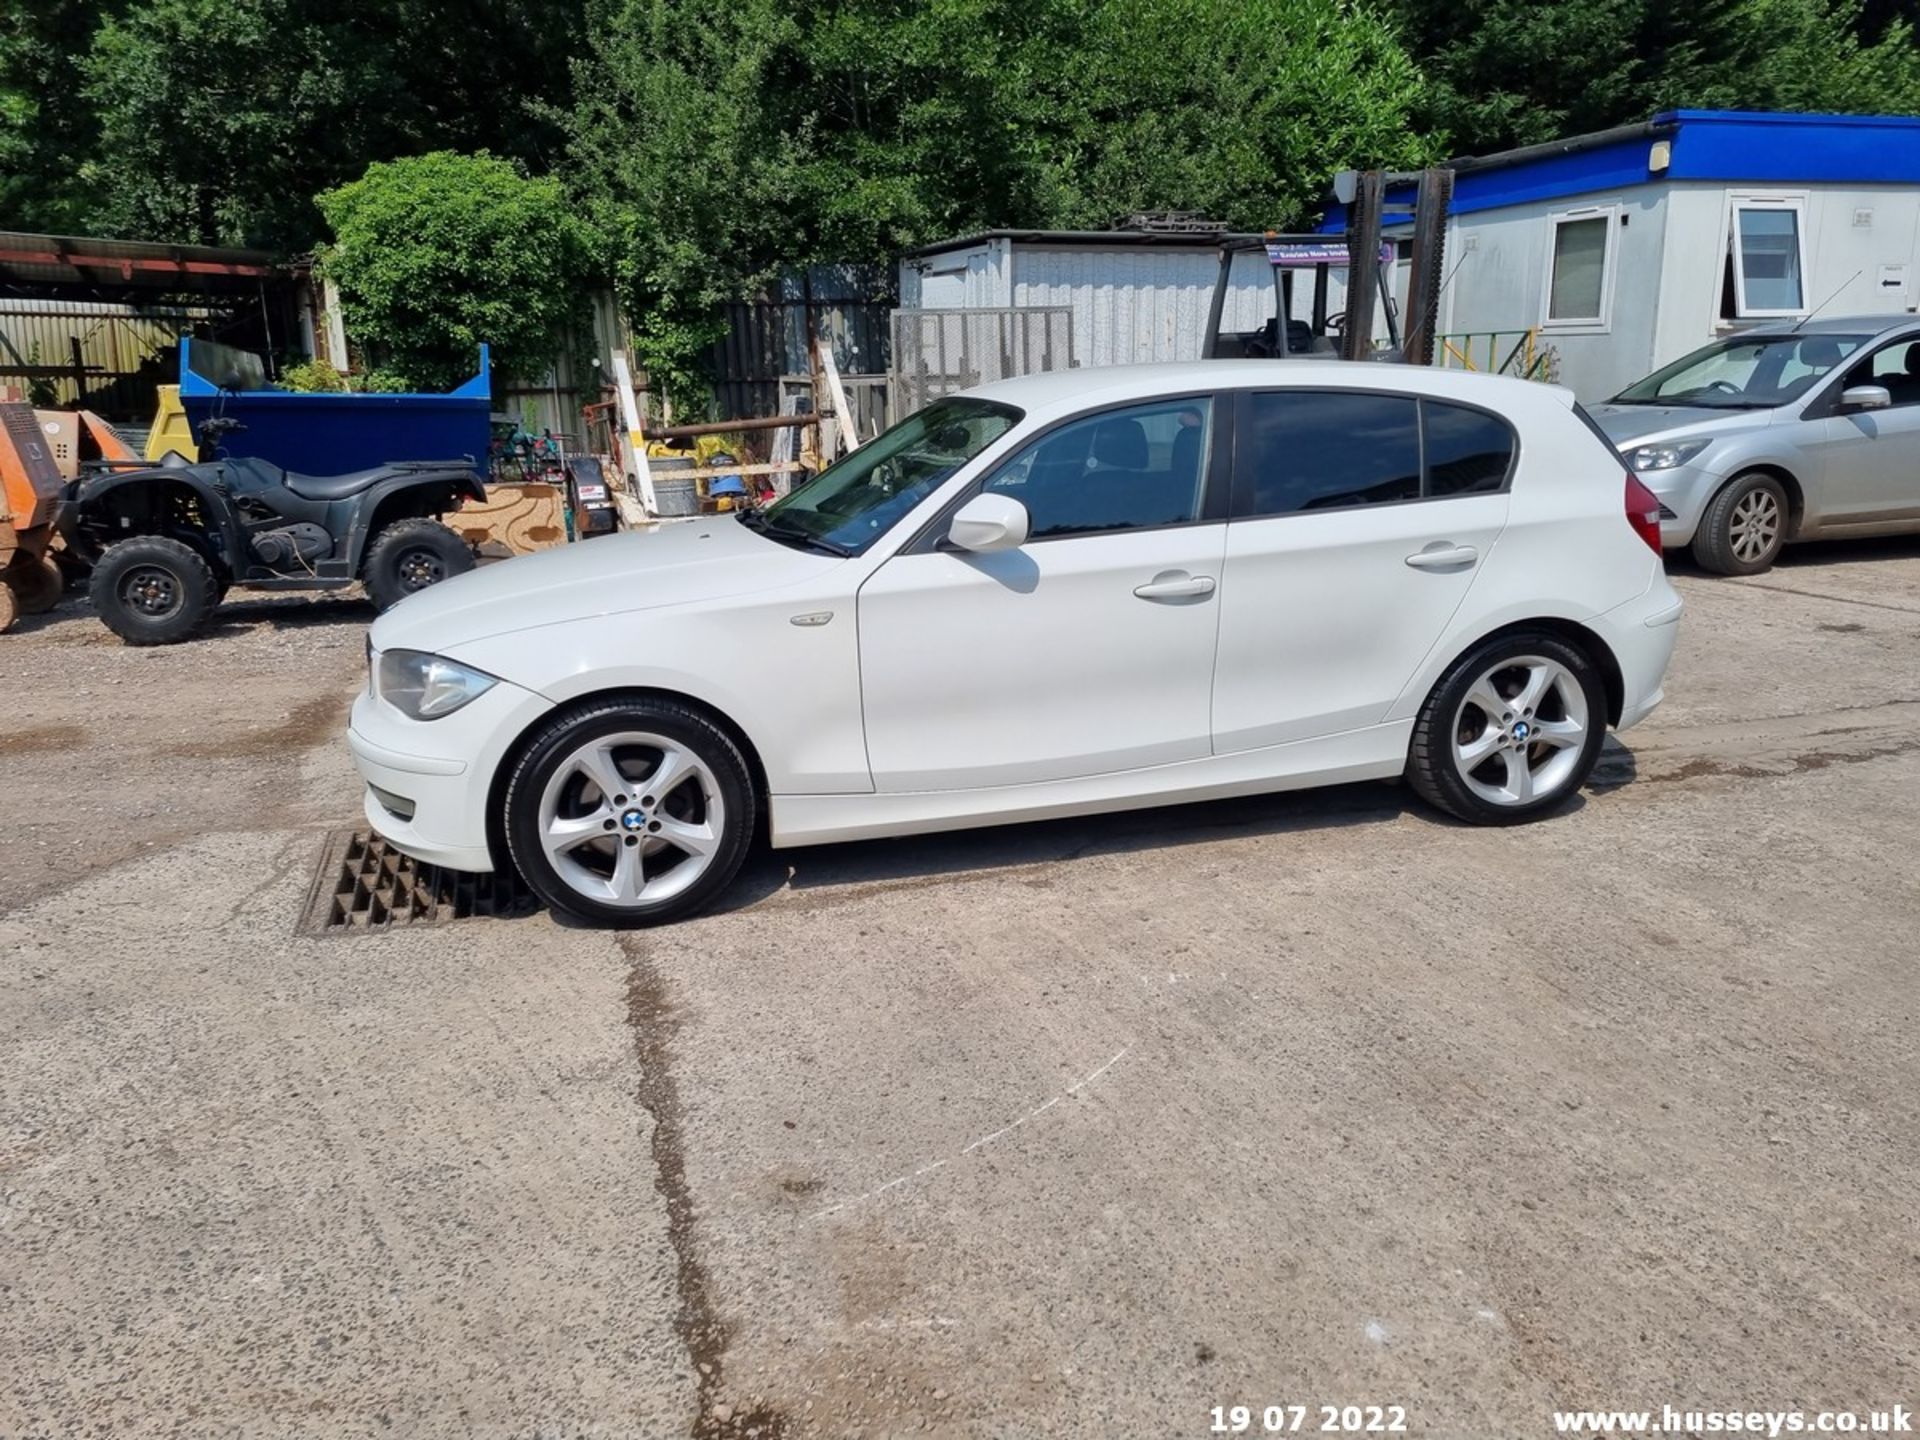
{"x": 1764, "y": 251}
{"x": 1579, "y": 275}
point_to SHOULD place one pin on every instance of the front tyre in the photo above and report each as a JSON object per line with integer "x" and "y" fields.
{"x": 409, "y": 555}
{"x": 1744, "y": 527}
{"x": 151, "y": 590}
{"x": 1511, "y": 731}
{"x": 630, "y": 812}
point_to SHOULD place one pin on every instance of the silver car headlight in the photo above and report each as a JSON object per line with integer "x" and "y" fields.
{"x": 1665, "y": 457}
{"x": 427, "y": 687}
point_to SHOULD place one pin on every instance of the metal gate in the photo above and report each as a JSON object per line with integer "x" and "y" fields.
{"x": 936, "y": 352}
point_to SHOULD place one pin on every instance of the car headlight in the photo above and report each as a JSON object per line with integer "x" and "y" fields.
{"x": 1665, "y": 457}
{"x": 426, "y": 687}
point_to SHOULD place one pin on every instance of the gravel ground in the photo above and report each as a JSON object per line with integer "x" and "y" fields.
{"x": 1071, "y": 1129}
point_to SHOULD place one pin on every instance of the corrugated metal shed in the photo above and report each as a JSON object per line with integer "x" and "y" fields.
{"x": 73, "y": 266}
{"x": 1136, "y": 296}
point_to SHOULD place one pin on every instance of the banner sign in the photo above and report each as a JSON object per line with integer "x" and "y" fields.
{"x": 1305, "y": 254}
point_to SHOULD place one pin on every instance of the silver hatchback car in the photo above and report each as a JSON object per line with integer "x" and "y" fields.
{"x": 1778, "y": 433}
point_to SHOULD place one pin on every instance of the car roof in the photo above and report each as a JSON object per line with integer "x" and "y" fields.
{"x": 1063, "y": 389}
{"x": 1834, "y": 325}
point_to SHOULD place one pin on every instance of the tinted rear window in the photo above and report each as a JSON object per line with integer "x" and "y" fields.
{"x": 1468, "y": 451}
{"x": 1309, "y": 450}
{"x": 1319, "y": 450}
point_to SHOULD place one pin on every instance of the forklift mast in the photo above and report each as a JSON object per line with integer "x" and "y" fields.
{"x": 1368, "y": 261}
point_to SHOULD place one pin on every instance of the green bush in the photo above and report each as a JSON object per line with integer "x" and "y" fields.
{"x": 437, "y": 254}
{"x": 313, "y": 377}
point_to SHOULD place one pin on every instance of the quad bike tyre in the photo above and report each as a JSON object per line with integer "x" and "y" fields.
{"x": 37, "y": 584}
{"x": 151, "y": 590}
{"x": 9, "y": 607}
{"x": 410, "y": 555}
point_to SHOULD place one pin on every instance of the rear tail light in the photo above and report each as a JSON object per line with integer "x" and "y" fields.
{"x": 1643, "y": 513}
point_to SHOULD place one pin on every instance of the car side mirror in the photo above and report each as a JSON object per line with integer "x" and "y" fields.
{"x": 1865, "y": 397}
{"x": 988, "y": 523}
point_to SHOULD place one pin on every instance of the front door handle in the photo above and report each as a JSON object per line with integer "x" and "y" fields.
{"x": 1443, "y": 557}
{"x": 1175, "y": 585}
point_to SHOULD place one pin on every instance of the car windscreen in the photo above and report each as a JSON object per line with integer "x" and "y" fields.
{"x": 853, "y": 503}
{"x": 1744, "y": 372}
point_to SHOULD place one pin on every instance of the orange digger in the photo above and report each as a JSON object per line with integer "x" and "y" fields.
{"x": 40, "y": 450}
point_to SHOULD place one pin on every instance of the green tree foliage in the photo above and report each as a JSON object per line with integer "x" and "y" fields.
{"x": 219, "y": 120}
{"x": 724, "y": 139}
{"x": 437, "y": 253}
{"x": 47, "y": 127}
{"x": 1520, "y": 72}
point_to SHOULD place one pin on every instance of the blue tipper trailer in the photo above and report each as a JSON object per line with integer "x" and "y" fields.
{"x": 331, "y": 434}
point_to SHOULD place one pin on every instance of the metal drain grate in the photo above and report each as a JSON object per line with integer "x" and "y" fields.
{"x": 364, "y": 885}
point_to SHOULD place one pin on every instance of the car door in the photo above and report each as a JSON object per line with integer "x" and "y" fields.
{"x": 1087, "y": 649}
{"x": 1869, "y": 460}
{"x": 1360, "y": 519}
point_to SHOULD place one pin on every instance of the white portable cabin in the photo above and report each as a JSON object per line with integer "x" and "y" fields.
{"x": 1136, "y": 296}
{"x": 1626, "y": 249}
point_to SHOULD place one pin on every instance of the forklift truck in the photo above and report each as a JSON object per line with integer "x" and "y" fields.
{"x": 1367, "y": 258}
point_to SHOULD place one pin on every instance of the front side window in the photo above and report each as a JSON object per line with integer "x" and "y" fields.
{"x": 1744, "y": 373}
{"x": 1128, "y": 469}
{"x": 849, "y": 505}
{"x": 1766, "y": 260}
{"x": 1577, "y": 278}
{"x": 1896, "y": 367}
{"x": 1304, "y": 450}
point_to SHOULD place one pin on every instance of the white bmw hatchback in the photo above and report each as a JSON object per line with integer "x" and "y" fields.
{"x": 1060, "y": 594}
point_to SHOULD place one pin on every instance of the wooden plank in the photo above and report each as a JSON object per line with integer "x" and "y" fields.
{"x": 714, "y": 472}
{"x": 845, "y": 430}
{"x": 630, "y": 411}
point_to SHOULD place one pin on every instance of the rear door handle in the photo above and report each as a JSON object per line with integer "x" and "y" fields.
{"x": 1443, "y": 557}
{"x": 1175, "y": 585}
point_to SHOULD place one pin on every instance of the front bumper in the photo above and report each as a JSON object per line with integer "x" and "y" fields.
{"x": 1683, "y": 493}
{"x": 428, "y": 781}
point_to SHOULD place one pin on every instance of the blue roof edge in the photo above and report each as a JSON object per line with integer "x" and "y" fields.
{"x": 1711, "y": 145}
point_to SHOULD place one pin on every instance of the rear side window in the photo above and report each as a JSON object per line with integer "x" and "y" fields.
{"x": 1303, "y": 450}
{"x": 1468, "y": 451}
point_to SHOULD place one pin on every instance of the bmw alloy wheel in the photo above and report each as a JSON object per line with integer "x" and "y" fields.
{"x": 1521, "y": 730}
{"x": 631, "y": 819}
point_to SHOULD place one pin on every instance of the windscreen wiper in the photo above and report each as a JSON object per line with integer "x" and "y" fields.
{"x": 793, "y": 534}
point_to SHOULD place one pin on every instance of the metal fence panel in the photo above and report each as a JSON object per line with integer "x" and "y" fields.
{"x": 936, "y": 352}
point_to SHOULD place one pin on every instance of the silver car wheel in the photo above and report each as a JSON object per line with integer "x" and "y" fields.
{"x": 631, "y": 819}
{"x": 1519, "y": 734}
{"x": 1754, "y": 527}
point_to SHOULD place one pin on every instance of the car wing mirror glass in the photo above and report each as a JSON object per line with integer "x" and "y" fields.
{"x": 1866, "y": 397}
{"x": 987, "y": 523}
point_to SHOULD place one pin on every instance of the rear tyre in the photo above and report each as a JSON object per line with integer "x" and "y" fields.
{"x": 630, "y": 812}
{"x": 9, "y": 607}
{"x": 1511, "y": 731}
{"x": 153, "y": 591}
{"x": 37, "y": 584}
{"x": 1744, "y": 527}
{"x": 410, "y": 555}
